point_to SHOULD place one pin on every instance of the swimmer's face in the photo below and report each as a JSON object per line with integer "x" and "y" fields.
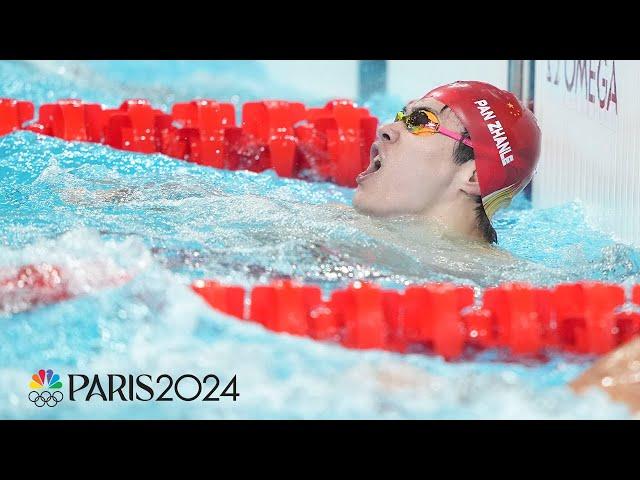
{"x": 415, "y": 172}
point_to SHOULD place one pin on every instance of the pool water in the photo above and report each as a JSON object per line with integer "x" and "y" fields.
{"x": 96, "y": 211}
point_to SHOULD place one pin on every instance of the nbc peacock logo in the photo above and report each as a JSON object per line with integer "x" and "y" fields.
{"x": 41, "y": 383}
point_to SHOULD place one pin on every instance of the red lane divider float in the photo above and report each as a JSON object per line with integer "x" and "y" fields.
{"x": 330, "y": 143}
{"x": 349, "y": 133}
{"x": 203, "y": 137}
{"x": 526, "y": 321}
{"x": 26, "y": 287}
{"x": 135, "y": 126}
{"x": 14, "y": 114}
{"x": 70, "y": 120}
{"x": 269, "y": 125}
{"x": 32, "y": 285}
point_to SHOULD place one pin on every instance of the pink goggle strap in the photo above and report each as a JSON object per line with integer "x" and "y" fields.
{"x": 455, "y": 136}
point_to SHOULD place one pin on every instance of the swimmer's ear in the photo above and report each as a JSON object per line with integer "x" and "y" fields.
{"x": 469, "y": 176}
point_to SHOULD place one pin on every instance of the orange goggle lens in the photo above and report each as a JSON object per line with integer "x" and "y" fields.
{"x": 420, "y": 122}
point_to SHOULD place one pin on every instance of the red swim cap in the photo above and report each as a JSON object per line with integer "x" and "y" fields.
{"x": 505, "y": 137}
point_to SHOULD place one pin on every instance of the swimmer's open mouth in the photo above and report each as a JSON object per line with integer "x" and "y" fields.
{"x": 374, "y": 166}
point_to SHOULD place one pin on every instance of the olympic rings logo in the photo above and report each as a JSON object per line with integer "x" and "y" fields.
{"x": 40, "y": 399}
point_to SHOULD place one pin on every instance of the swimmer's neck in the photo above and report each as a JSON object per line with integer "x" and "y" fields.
{"x": 456, "y": 222}
{"x": 455, "y": 219}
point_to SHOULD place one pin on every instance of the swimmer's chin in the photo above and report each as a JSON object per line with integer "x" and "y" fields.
{"x": 370, "y": 212}
{"x": 379, "y": 211}
{"x": 358, "y": 205}
{"x": 363, "y": 207}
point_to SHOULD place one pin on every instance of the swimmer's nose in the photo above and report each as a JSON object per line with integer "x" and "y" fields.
{"x": 388, "y": 133}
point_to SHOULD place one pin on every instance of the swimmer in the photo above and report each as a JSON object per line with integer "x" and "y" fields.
{"x": 452, "y": 158}
{"x": 439, "y": 173}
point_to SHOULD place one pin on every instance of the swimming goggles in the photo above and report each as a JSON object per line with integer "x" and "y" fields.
{"x": 425, "y": 122}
